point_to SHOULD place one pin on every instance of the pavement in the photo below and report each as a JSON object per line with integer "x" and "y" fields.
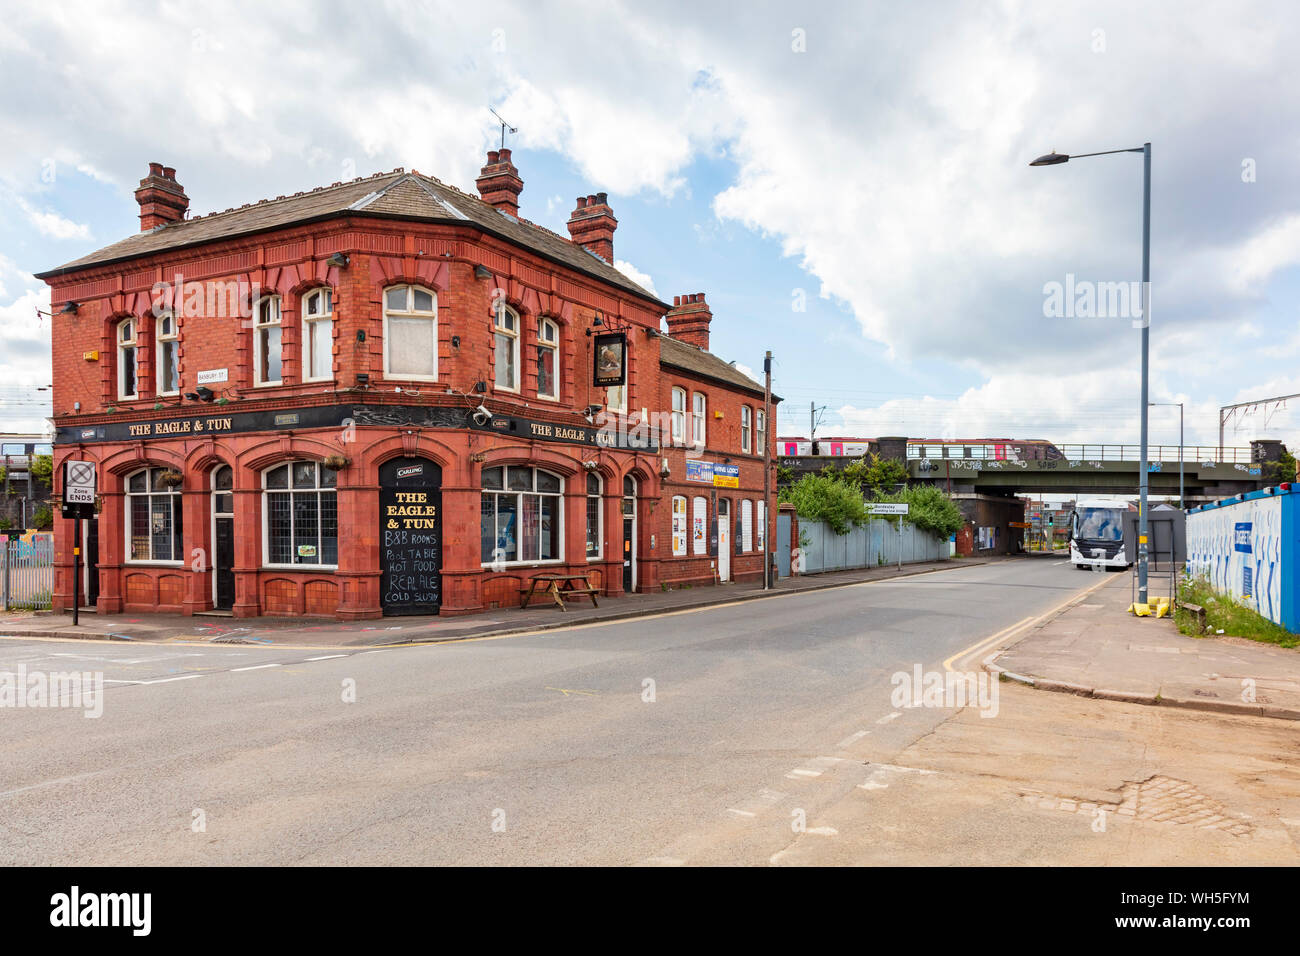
{"x": 1094, "y": 648}
{"x": 319, "y": 633}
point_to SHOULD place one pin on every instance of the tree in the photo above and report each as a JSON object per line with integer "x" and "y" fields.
{"x": 929, "y": 509}
{"x": 42, "y": 468}
{"x": 43, "y": 518}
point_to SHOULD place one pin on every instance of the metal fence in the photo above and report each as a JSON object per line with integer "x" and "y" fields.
{"x": 27, "y": 571}
{"x": 875, "y": 543}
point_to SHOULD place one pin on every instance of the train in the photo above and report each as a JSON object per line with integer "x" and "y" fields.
{"x": 998, "y": 449}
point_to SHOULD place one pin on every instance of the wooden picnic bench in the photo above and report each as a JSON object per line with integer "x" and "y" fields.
{"x": 562, "y": 587}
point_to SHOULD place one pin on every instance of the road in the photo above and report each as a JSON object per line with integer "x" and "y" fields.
{"x": 684, "y": 738}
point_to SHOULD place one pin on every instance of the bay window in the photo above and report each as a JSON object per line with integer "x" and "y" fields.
{"x": 521, "y": 515}
{"x": 300, "y": 515}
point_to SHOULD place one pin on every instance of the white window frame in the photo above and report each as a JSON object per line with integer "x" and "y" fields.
{"x": 761, "y": 537}
{"x": 175, "y": 499}
{"x": 600, "y": 516}
{"x": 616, "y": 399}
{"x": 510, "y": 332}
{"x": 699, "y": 419}
{"x": 519, "y": 494}
{"x": 551, "y": 345}
{"x": 263, "y": 326}
{"x": 680, "y": 526}
{"x": 700, "y": 526}
{"x": 746, "y": 525}
{"x": 166, "y": 340}
{"x": 746, "y": 429}
{"x": 290, "y": 490}
{"x": 760, "y": 432}
{"x": 678, "y": 415}
{"x": 124, "y": 345}
{"x": 410, "y": 312}
{"x": 324, "y": 295}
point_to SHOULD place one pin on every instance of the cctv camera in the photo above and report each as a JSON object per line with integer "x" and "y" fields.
{"x": 482, "y": 416}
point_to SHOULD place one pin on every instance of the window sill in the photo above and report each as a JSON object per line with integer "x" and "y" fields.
{"x": 522, "y": 565}
{"x": 310, "y": 568}
{"x": 153, "y": 564}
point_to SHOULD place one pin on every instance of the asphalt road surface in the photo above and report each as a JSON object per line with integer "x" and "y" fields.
{"x": 637, "y": 741}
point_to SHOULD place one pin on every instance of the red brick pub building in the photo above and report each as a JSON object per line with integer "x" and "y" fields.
{"x": 382, "y": 397}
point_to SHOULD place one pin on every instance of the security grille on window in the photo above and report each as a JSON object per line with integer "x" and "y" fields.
{"x": 410, "y": 333}
{"x": 680, "y": 530}
{"x": 266, "y": 341}
{"x": 747, "y": 525}
{"x": 126, "y": 359}
{"x": 521, "y": 515}
{"x": 548, "y": 359}
{"x": 505, "y": 323}
{"x": 167, "y": 345}
{"x": 154, "y": 517}
{"x": 300, "y": 513}
{"x": 318, "y": 335}
{"x": 595, "y": 537}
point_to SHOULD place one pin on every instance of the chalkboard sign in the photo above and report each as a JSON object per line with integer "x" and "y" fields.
{"x": 410, "y": 536}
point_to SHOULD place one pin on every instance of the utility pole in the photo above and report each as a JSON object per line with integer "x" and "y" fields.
{"x": 767, "y": 472}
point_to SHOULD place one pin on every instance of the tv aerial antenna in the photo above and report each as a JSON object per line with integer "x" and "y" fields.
{"x": 505, "y": 127}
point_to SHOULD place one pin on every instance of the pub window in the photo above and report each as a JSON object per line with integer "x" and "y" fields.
{"x": 127, "y": 343}
{"x": 167, "y": 343}
{"x": 521, "y": 515}
{"x": 300, "y": 515}
{"x": 700, "y": 526}
{"x": 679, "y": 416}
{"x": 747, "y": 525}
{"x": 616, "y": 399}
{"x": 318, "y": 336}
{"x": 697, "y": 418}
{"x": 266, "y": 341}
{"x": 595, "y": 537}
{"x": 746, "y": 427}
{"x": 153, "y": 517}
{"x": 505, "y": 324}
{"x": 548, "y": 359}
{"x": 679, "y": 526}
{"x": 410, "y": 333}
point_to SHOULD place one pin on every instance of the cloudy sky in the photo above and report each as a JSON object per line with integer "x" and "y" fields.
{"x": 847, "y": 182}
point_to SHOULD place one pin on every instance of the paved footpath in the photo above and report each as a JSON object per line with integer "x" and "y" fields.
{"x": 307, "y": 632}
{"x": 1094, "y": 648}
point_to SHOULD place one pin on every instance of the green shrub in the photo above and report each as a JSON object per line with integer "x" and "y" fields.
{"x": 1224, "y": 613}
{"x": 43, "y": 518}
{"x": 928, "y": 509}
{"x": 826, "y": 498}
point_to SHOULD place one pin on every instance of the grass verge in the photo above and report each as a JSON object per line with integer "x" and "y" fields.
{"x": 1223, "y": 612}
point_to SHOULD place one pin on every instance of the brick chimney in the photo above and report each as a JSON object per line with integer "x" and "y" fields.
{"x": 592, "y": 225}
{"x": 499, "y": 183}
{"x": 161, "y": 198}
{"x": 689, "y": 318}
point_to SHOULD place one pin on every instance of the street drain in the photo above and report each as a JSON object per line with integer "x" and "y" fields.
{"x": 1158, "y": 799}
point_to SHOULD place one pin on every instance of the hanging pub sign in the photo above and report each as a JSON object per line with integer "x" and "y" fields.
{"x": 610, "y": 360}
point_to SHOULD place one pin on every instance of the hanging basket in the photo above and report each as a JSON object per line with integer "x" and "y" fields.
{"x": 336, "y": 462}
{"x": 170, "y": 478}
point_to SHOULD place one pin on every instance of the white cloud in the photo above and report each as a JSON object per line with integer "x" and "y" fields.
{"x": 51, "y": 223}
{"x": 636, "y": 275}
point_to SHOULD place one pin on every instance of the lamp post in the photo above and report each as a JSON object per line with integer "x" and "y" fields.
{"x": 1180, "y": 445}
{"x": 1054, "y": 159}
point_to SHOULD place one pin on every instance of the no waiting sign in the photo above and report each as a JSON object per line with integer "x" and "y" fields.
{"x": 79, "y": 482}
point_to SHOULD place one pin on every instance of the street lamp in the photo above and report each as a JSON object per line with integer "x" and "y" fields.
{"x": 1055, "y": 159}
{"x": 1180, "y": 445}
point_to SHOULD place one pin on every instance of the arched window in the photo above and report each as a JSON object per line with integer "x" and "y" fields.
{"x": 746, "y": 428}
{"x": 318, "y": 335}
{"x": 697, "y": 419}
{"x": 300, "y": 515}
{"x": 410, "y": 333}
{"x": 595, "y": 517}
{"x": 680, "y": 531}
{"x": 505, "y": 324}
{"x": 679, "y": 416}
{"x": 153, "y": 516}
{"x": 548, "y": 359}
{"x": 167, "y": 346}
{"x": 700, "y": 526}
{"x": 266, "y": 341}
{"x": 521, "y": 515}
{"x": 127, "y": 343}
